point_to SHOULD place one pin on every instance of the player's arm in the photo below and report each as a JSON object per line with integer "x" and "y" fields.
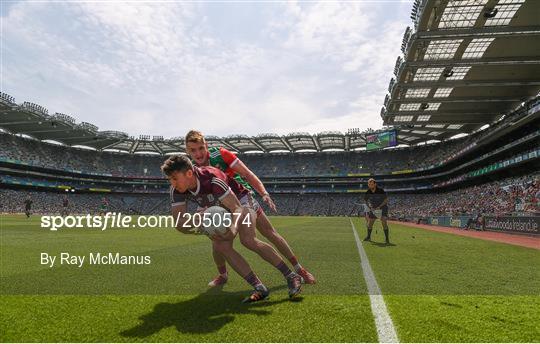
{"x": 223, "y": 192}
{"x": 385, "y": 202}
{"x": 231, "y": 203}
{"x": 240, "y": 168}
{"x": 183, "y": 223}
{"x": 368, "y": 203}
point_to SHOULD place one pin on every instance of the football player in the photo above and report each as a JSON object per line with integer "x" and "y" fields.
{"x": 207, "y": 186}
{"x": 230, "y": 164}
{"x": 28, "y": 206}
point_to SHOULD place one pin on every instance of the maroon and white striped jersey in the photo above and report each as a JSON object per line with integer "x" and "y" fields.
{"x": 212, "y": 186}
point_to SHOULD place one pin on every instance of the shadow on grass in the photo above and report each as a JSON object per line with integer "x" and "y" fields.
{"x": 206, "y": 313}
{"x": 382, "y": 244}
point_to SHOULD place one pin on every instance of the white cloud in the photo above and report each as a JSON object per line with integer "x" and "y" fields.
{"x": 332, "y": 29}
{"x": 162, "y": 69}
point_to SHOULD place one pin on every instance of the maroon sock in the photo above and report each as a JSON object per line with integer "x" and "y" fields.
{"x": 282, "y": 267}
{"x": 222, "y": 269}
{"x": 252, "y": 279}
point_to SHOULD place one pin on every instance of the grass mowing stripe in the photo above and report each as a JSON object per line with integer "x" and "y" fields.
{"x": 168, "y": 301}
{"x": 204, "y": 317}
{"x": 441, "y": 287}
{"x": 385, "y": 328}
{"x": 183, "y": 264}
{"x": 466, "y": 318}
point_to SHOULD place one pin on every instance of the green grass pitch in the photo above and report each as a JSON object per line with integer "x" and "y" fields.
{"x": 437, "y": 287}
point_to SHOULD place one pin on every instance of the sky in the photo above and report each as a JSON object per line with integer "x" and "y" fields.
{"x": 225, "y": 68}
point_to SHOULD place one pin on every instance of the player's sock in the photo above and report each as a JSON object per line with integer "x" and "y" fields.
{"x": 387, "y": 234}
{"x": 222, "y": 270}
{"x": 295, "y": 264}
{"x": 252, "y": 279}
{"x": 284, "y": 269}
{"x": 369, "y": 230}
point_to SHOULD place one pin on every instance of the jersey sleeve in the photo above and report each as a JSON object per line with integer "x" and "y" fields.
{"x": 228, "y": 157}
{"x": 220, "y": 188}
{"x": 177, "y": 198}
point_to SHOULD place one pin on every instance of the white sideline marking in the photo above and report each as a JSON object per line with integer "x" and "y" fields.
{"x": 385, "y": 328}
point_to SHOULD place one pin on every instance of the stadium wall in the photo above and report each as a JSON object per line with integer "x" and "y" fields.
{"x": 514, "y": 224}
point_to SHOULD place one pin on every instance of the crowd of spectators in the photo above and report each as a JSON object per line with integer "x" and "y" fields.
{"x": 52, "y": 156}
{"x": 56, "y": 157}
{"x": 12, "y": 201}
{"x": 343, "y": 163}
{"x": 511, "y": 195}
{"x": 508, "y": 196}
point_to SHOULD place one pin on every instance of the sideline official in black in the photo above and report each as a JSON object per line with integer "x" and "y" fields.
{"x": 376, "y": 199}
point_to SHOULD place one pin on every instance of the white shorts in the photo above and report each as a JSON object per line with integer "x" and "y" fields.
{"x": 249, "y": 202}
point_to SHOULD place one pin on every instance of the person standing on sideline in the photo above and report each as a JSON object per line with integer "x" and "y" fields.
{"x": 376, "y": 200}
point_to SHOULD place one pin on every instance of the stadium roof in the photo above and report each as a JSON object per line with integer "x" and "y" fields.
{"x": 465, "y": 64}
{"x": 34, "y": 120}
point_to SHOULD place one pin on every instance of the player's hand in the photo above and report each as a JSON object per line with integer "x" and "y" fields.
{"x": 268, "y": 200}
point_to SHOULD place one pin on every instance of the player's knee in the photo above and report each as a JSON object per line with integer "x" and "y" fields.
{"x": 248, "y": 242}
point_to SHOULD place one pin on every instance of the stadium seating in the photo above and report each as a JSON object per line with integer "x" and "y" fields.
{"x": 502, "y": 197}
{"x": 28, "y": 151}
{"x": 138, "y": 186}
{"x": 36, "y": 153}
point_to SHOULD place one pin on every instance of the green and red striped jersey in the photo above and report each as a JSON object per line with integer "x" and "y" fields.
{"x": 224, "y": 160}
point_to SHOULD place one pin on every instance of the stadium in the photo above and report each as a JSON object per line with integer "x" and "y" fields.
{"x": 457, "y": 152}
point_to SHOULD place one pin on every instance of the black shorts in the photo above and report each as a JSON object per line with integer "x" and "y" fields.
{"x": 384, "y": 213}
